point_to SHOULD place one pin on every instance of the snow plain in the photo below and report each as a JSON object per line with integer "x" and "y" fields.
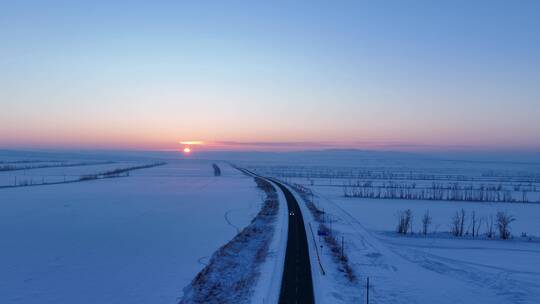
{"x": 437, "y": 268}
{"x": 136, "y": 239}
{"x": 142, "y": 238}
{"x": 58, "y": 174}
{"x": 418, "y": 269}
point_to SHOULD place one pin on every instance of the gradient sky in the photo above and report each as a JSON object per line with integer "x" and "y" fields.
{"x": 148, "y": 74}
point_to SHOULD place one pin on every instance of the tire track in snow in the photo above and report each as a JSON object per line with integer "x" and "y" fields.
{"x": 226, "y": 216}
{"x": 503, "y": 282}
{"x": 199, "y": 260}
{"x": 228, "y": 212}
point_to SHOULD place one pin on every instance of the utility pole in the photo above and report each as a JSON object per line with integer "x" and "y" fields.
{"x": 367, "y": 291}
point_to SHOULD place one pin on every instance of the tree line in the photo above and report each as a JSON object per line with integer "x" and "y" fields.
{"x": 438, "y": 191}
{"x": 460, "y": 224}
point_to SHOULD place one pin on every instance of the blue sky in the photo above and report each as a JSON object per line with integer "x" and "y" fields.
{"x": 93, "y": 74}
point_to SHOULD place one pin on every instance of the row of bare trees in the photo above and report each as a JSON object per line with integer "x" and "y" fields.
{"x": 340, "y": 173}
{"x": 461, "y": 224}
{"x": 451, "y": 192}
{"x": 529, "y": 176}
{"x": 28, "y": 166}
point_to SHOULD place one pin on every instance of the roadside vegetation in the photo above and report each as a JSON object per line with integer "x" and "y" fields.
{"x": 231, "y": 273}
{"x": 330, "y": 237}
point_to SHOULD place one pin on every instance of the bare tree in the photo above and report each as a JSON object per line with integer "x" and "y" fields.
{"x": 474, "y": 223}
{"x": 524, "y": 196}
{"x": 404, "y": 221}
{"x": 462, "y": 222}
{"x": 490, "y": 233}
{"x": 478, "y": 225}
{"x": 503, "y": 224}
{"x": 426, "y": 221}
{"x": 454, "y": 226}
{"x": 458, "y": 223}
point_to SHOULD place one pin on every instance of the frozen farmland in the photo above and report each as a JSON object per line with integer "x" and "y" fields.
{"x": 425, "y": 231}
{"x": 131, "y": 239}
{"x": 162, "y": 228}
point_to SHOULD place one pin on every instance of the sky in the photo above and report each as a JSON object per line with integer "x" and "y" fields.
{"x": 270, "y": 75}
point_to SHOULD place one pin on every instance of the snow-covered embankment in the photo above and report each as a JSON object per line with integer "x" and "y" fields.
{"x": 247, "y": 268}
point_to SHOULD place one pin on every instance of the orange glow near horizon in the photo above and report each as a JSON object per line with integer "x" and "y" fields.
{"x": 187, "y": 150}
{"x": 192, "y": 142}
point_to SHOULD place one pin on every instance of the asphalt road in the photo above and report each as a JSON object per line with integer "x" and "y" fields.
{"x": 297, "y": 284}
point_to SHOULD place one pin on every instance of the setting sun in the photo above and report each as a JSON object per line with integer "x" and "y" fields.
{"x": 187, "y": 150}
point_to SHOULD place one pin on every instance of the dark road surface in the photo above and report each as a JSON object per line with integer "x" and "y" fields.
{"x": 297, "y": 284}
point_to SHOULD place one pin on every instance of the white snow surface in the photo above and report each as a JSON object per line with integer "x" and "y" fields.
{"x": 437, "y": 268}
{"x": 142, "y": 238}
{"x": 429, "y": 269}
{"x": 138, "y": 239}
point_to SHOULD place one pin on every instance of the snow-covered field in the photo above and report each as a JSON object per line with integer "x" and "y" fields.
{"x": 437, "y": 268}
{"x": 142, "y": 238}
{"x": 58, "y": 174}
{"x": 419, "y": 269}
{"x": 136, "y": 239}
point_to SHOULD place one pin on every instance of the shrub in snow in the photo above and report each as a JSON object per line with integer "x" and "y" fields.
{"x": 88, "y": 177}
{"x": 503, "y": 224}
{"x": 119, "y": 171}
{"x": 217, "y": 170}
